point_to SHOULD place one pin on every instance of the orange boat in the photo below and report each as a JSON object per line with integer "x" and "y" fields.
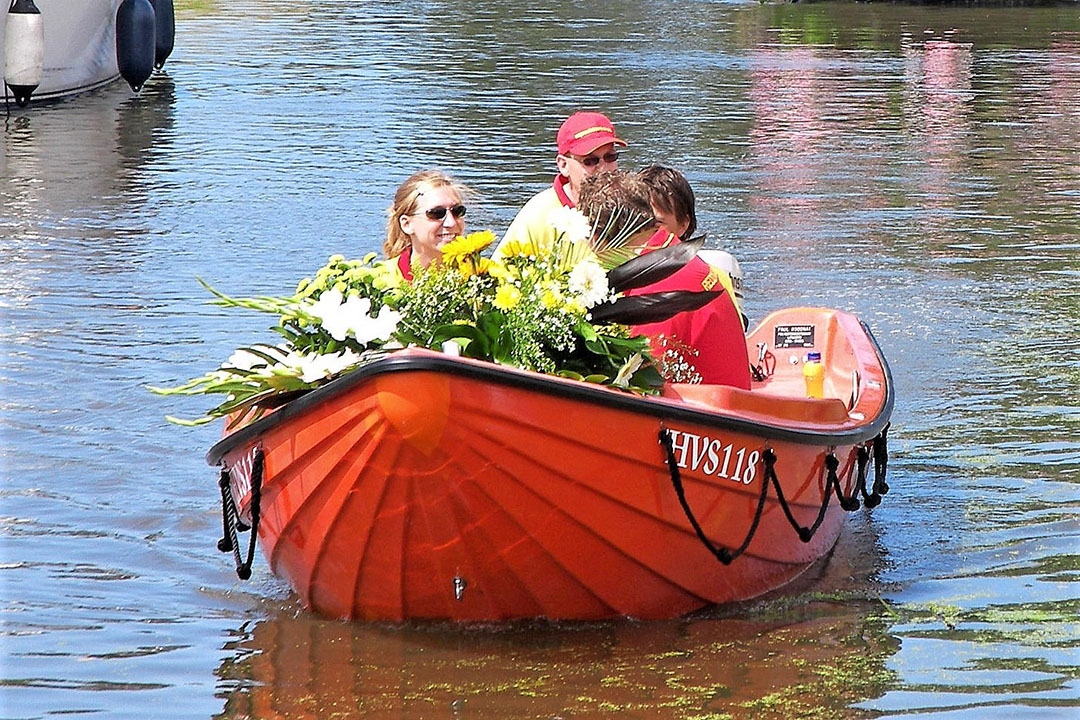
{"x": 425, "y": 485}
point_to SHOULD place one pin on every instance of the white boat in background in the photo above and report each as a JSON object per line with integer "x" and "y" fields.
{"x": 70, "y": 46}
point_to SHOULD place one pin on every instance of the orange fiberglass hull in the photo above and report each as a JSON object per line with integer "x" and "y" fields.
{"x": 430, "y": 486}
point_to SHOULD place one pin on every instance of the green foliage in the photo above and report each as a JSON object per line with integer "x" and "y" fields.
{"x": 529, "y": 310}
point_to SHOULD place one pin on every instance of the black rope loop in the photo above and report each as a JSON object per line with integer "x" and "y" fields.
{"x": 881, "y": 461}
{"x": 805, "y": 533}
{"x": 877, "y": 452}
{"x": 862, "y": 459}
{"x": 228, "y": 539}
{"x": 230, "y": 517}
{"x": 832, "y": 486}
{"x": 720, "y": 553}
{"x": 851, "y": 503}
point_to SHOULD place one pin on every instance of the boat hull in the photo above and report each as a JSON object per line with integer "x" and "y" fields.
{"x": 427, "y": 486}
{"x": 80, "y": 46}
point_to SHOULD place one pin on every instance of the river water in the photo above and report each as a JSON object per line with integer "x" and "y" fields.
{"x": 918, "y": 166}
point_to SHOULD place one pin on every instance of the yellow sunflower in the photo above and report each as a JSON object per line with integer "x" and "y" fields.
{"x": 470, "y": 244}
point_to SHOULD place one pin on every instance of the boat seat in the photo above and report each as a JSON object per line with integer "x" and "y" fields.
{"x": 759, "y": 403}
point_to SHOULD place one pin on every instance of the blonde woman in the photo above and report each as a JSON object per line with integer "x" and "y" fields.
{"x": 428, "y": 211}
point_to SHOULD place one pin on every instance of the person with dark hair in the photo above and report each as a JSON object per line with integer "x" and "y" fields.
{"x": 672, "y": 201}
{"x": 615, "y": 190}
{"x": 706, "y": 345}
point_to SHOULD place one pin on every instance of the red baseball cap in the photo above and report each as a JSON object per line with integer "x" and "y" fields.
{"x": 583, "y": 132}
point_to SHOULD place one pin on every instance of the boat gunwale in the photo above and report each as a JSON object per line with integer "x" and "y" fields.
{"x": 664, "y": 409}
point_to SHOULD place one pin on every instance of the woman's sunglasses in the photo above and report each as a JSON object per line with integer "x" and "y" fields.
{"x": 438, "y": 213}
{"x": 594, "y": 160}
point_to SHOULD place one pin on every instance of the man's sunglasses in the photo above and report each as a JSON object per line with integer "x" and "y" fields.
{"x": 594, "y": 160}
{"x": 438, "y": 213}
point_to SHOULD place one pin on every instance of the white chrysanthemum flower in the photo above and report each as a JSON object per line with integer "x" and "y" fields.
{"x": 588, "y": 282}
{"x": 570, "y": 223}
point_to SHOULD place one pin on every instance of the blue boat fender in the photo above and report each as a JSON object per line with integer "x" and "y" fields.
{"x": 24, "y": 50}
{"x": 164, "y": 31}
{"x": 135, "y": 41}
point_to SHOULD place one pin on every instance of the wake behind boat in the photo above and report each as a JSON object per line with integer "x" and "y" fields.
{"x": 425, "y": 485}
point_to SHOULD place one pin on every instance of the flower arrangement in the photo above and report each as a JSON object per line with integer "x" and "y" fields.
{"x": 532, "y": 308}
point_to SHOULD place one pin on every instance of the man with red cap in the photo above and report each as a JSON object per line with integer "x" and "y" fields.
{"x": 586, "y": 145}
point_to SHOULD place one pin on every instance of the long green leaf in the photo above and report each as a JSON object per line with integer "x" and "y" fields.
{"x": 182, "y": 389}
{"x": 272, "y": 359}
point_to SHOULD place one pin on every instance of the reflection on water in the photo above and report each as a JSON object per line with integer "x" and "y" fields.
{"x": 914, "y": 165}
{"x": 304, "y": 667}
{"x": 79, "y": 158}
{"x": 809, "y": 652}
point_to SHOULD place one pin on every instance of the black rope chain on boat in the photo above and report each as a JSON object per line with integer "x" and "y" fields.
{"x": 230, "y": 517}
{"x": 721, "y": 553}
{"x": 878, "y": 452}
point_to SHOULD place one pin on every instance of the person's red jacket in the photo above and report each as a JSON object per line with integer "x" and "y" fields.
{"x": 709, "y": 340}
